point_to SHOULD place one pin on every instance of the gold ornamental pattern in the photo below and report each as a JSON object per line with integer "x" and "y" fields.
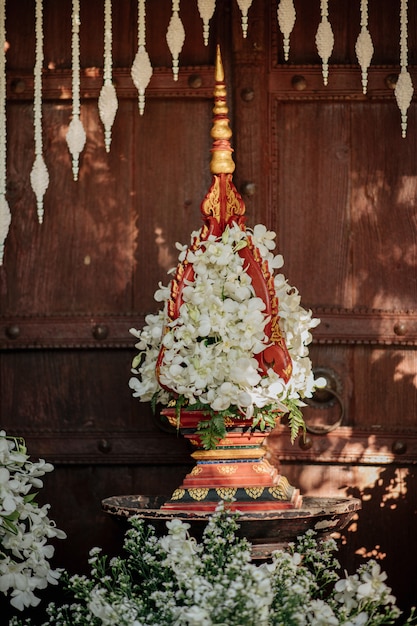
{"x": 261, "y": 468}
{"x": 223, "y": 201}
{"x": 178, "y": 494}
{"x": 254, "y": 492}
{"x": 282, "y": 491}
{"x": 198, "y": 494}
{"x": 226, "y": 493}
{"x": 227, "y": 469}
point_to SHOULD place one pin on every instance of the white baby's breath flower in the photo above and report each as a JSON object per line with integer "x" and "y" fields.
{"x": 175, "y": 579}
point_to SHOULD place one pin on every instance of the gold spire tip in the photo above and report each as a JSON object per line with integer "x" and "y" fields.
{"x": 221, "y": 160}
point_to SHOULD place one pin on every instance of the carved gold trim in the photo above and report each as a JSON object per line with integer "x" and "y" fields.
{"x": 219, "y": 454}
{"x": 226, "y": 469}
{"x": 282, "y": 491}
{"x": 262, "y": 468}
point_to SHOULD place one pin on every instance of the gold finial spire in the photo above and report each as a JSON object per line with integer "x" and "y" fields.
{"x": 221, "y": 160}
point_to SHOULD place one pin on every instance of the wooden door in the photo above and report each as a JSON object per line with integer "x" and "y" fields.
{"x": 73, "y": 286}
{"x": 338, "y": 184}
{"x": 324, "y": 166}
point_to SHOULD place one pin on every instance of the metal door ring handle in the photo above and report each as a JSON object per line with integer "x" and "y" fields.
{"x": 323, "y": 430}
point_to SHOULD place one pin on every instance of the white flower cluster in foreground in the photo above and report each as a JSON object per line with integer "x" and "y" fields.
{"x": 210, "y": 348}
{"x": 25, "y": 528}
{"x": 174, "y": 580}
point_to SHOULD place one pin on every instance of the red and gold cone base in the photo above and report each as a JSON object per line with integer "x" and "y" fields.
{"x": 236, "y": 471}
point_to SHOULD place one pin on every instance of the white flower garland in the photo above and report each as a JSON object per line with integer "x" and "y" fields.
{"x": 175, "y": 37}
{"x": 107, "y": 102}
{"x": 324, "y": 39}
{"x": 210, "y": 349}
{"x": 76, "y": 136}
{"x": 244, "y": 6}
{"x": 39, "y": 176}
{"x": 5, "y": 215}
{"x": 404, "y": 88}
{"x": 141, "y": 69}
{"x": 286, "y": 20}
{"x": 25, "y": 528}
{"x": 364, "y": 47}
{"x": 206, "y": 9}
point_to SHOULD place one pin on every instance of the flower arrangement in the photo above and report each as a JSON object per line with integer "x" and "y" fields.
{"x": 175, "y": 580}
{"x": 215, "y": 350}
{"x": 25, "y": 529}
{"x": 231, "y": 338}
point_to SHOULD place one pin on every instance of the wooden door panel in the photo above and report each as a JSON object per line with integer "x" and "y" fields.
{"x": 312, "y": 187}
{"x": 385, "y": 388}
{"x": 383, "y": 210}
{"x": 86, "y": 225}
{"x": 44, "y": 392}
{"x": 170, "y": 184}
{"x": 89, "y": 226}
{"x": 345, "y": 206}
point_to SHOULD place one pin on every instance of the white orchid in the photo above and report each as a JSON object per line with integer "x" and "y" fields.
{"x": 211, "y": 344}
{"x": 25, "y": 528}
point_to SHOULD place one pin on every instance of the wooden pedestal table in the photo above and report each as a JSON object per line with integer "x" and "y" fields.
{"x": 266, "y": 530}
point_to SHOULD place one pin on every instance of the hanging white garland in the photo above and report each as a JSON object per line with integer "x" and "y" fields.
{"x": 286, "y": 20}
{"x": 404, "y": 88}
{"x": 364, "y": 47}
{"x": 324, "y": 39}
{"x": 39, "y": 176}
{"x": 76, "y": 134}
{"x": 107, "y": 102}
{"x": 244, "y": 6}
{"x": 5, "y": 215}
{"x": 175, "y": 37}
{"x": 206, "y": 9}
{"x": 141, "y": 71}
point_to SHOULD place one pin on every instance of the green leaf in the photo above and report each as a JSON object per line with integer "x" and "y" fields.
{"x": 211, "y": 431}
{"x": 30, "y": 497}
{"x": 295, "y": 419}
{"x": 8, "y": 524}
{"x": 154, "y": 402}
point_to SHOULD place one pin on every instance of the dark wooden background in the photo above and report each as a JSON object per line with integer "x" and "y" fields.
{"x": 324, "y": 166}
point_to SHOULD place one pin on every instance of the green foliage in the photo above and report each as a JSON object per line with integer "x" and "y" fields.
{"x": 7, "y": 522}
{"x": 211, "y": 431}
{"x": 154, "y": 402}
{"x": 295, "y": 419}
{"x": 264, "y": 418}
